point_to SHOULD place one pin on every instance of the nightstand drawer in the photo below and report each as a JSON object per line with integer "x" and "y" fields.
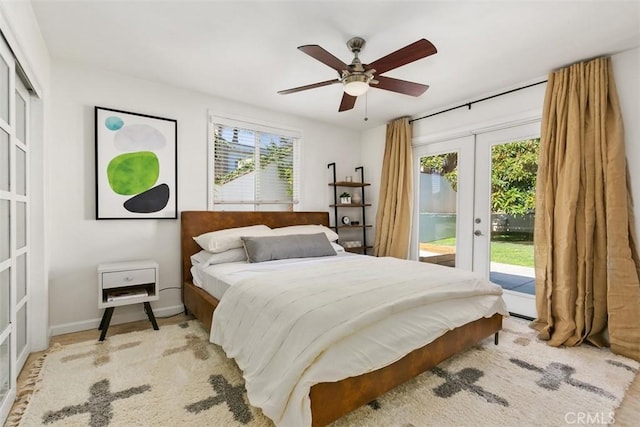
{"x": 116, "y": 279}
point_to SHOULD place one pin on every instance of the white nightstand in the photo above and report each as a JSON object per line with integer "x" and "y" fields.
{"x": 124, "y": 283}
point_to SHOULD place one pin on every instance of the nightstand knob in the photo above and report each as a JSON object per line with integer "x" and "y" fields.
{"x": 128, "y": 278}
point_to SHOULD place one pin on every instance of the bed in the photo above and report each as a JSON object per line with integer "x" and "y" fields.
{"x": 329, "y": 400}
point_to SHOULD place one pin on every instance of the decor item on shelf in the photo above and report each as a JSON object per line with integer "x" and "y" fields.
{"x": 355, "y": 222}
{"x": 345, "y": 198}
{"x": 356, "y": 198}
{"x": 348, "y": 178}
{"x": 135, "y": 165}
{"x": 346, "y": 220}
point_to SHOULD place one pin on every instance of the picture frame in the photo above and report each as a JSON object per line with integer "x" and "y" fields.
{"x": 136, "y": 165}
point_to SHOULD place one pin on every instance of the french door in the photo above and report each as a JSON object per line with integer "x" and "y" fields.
{"x": 14, "y": 220}
{"x": 475, "y": 208}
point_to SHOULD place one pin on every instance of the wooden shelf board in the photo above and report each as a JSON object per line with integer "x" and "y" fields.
{"x": 358, "y": 248}
{"x": 348, "y": 184}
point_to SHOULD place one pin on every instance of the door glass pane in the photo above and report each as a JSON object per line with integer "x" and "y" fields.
{"x": 5, "y": 369}
{"x": 513, "y": 186}
{"x": 5, "y": 277}
{"x": 21, "y": 224}
{"x": 4, "y": 91}
{"x": 5, "y": 152}
{"x": 438, "y": 208}
{"x": 21, "y": 329}
{"x": 5, "y": 235}
{"x": 21, "y": 118}
{"x": 21, "y": 172}
{"x": 21, "y": 277}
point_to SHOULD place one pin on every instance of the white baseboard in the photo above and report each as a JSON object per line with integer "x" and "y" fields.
{"x": 124, "y": 317}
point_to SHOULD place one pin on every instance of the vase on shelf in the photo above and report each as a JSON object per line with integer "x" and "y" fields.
{"x": 356, "y": 198}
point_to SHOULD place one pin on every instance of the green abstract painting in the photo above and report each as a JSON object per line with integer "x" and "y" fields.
{"x": 133, "y": 173}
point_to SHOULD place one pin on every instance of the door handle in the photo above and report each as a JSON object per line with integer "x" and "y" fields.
{"x": 478, "y": 233}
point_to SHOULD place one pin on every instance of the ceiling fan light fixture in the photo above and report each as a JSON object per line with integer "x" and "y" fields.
{"x": 356, "y": 84}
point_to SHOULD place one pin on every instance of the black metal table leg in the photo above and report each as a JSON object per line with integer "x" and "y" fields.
{"x": 152, "y": 318}
{"x": 104, "y": 324}
{"x": 495, "y": 339}
{"x": 104, "y": 316}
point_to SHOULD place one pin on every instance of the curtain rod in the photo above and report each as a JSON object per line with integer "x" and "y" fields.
{"x": 469, "y": 104}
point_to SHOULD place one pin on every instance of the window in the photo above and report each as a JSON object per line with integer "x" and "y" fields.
{"x": 252, "y": 166}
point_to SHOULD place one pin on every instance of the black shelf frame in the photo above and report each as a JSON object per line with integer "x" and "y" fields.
{"x": 363, "y": 205}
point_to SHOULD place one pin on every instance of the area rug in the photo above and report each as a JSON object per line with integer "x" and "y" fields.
{"x": 175, "y": 377}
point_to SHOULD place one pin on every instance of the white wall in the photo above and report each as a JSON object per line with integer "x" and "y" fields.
{"x": 372, "y": 143}
{"x": 79, "y": 243}
{"x": 626, "y": 69}
{"x": 515, "y": 107}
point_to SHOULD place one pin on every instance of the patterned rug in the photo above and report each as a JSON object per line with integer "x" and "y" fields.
{"x": 176, "y": 377}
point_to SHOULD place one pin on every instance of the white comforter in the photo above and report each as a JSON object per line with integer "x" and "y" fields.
{"x": 336, "y": 317}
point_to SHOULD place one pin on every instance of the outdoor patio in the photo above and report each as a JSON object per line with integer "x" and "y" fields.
{"x": 512, "y": 277}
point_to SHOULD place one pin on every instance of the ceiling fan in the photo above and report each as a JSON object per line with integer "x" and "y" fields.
{"x": 358, "y": 77}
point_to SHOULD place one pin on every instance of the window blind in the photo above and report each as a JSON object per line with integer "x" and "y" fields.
{"x": 254, "y": 167}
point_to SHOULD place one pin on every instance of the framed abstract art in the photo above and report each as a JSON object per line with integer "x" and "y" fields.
{"x": 136, "y": 165}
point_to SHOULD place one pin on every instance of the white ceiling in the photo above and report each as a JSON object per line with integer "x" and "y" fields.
{"x": 246, "y": 50}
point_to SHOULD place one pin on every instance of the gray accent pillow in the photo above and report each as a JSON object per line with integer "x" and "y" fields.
{"x": 269, "y": 248}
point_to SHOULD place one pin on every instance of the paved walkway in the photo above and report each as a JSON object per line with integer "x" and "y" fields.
{"x": 512, "y": 277}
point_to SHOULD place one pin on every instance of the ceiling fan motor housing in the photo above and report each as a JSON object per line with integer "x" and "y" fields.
{"x": 356, "y": 44}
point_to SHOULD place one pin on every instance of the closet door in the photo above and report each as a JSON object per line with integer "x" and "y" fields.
{"x": 14, "y": 220}
{"x": 21, "y": 222}
{"x": 7, "y": 232}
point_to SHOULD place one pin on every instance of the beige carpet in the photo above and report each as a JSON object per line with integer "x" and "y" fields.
{"x": 176, "y": 377}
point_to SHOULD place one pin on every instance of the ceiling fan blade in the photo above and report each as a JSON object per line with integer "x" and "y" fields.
{"x": 418, "y": 50}
{"x": 347, "y": 102}
{"x": 311, "y": 86}
{"x": 400, "y": 86}
{"x": 316, "y": 52}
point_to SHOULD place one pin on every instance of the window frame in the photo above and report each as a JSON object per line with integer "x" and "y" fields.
{"x": 258, "y": 127}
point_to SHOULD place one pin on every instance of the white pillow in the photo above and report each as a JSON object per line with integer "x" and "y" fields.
{"x": 204, "y": 259}
{"x": 336, "y": 247}
{"x": 223, "y": 240}
{"x": 306, "y": 229}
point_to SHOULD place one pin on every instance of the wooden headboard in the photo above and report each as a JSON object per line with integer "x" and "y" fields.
{"x": 194, "y": 223}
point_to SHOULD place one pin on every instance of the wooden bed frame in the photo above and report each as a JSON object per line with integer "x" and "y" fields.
{"x": 329, "y": 401}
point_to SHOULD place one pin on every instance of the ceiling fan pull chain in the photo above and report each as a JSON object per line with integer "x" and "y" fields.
{"x": 366, "y": 106}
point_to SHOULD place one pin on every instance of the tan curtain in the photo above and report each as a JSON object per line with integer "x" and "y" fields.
{"x": 393, "y": 220}
{"x": 586, "y": 256}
